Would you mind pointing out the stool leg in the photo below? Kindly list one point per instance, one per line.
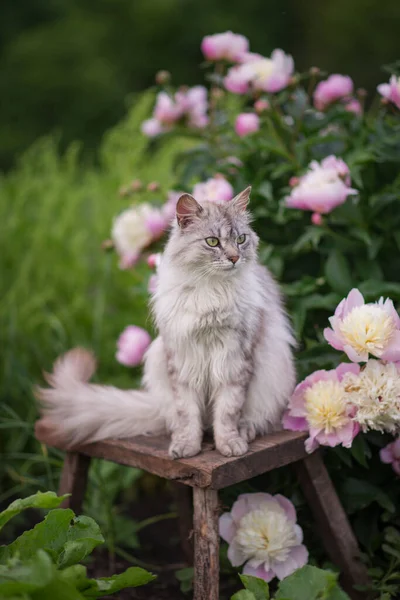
(337, 535)
(184, 503)
(206, 544)
(74, 480)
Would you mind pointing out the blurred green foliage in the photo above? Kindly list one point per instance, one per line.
(58, 288)
(70, 64)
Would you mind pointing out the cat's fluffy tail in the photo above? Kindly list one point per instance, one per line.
(74, 411)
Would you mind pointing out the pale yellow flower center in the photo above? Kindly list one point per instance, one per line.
(262, 69)
(266, 534)
(325, 406)
(368, 328)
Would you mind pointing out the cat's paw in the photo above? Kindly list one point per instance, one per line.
(182, 448)
(234, 446)
(247, 431)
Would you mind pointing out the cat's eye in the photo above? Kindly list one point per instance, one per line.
(241, 238)
(212, 241)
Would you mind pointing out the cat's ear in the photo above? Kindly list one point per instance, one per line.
(241, 201)
(187, 208)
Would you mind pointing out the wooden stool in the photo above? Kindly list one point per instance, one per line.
(209, 472)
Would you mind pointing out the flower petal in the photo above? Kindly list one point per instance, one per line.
(260, 572)
(294, 423)
(235, 554)
(287, 507)
(354, 299)
(227, 527)
(344, 368)
(392, 351)
(297, 558)
(353, 355)
(333, 339)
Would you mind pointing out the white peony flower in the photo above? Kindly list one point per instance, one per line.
(375, 393)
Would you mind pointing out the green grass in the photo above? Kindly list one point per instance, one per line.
(58, 288)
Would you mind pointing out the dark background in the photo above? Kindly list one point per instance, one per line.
(70, 65)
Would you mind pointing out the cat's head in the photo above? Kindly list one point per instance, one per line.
(213, 238)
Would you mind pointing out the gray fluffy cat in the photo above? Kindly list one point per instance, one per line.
(222, 359)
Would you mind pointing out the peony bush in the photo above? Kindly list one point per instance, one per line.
(323, 159)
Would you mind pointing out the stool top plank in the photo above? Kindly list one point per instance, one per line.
(207, 469)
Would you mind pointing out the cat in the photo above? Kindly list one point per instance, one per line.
(223, 357)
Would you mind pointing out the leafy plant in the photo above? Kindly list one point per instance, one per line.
(43, 563)
(307, 583)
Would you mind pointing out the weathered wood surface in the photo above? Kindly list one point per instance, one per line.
(74, 480)
(206, 544)
(208, 469)
(334, 527)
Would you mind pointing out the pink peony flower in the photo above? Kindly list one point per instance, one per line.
(217, 189)
(247, 123)
(391, 90)
(152, 127)
(323, 187)
(262, 534)
(167, 110)
(135, 229)
(194, 105)
(319, 406)
(354, 106)
(259, 73)
(332, 89)
(189, 104)
(224, 46)
(132, 344)
(360, 329)
(156, 223)
(390, 455)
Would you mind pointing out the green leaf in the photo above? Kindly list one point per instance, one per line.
(359, 493)
(19, 576)
(50, 535)
(243, 595)
(38, 500)
(310, 239)
(66, 538)
(257, 586)
(132, 577)
(337, 273)
(360, 450)
(310, 583)
(83, 536)
(58, 589)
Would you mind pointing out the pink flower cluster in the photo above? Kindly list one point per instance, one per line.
(190, 105)
(336, 88)
(334, 405)
(391, 91)
(324, 186)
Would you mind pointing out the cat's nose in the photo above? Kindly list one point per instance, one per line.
(234, 258)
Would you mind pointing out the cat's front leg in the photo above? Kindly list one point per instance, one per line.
(186, 426)
(228, 405)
